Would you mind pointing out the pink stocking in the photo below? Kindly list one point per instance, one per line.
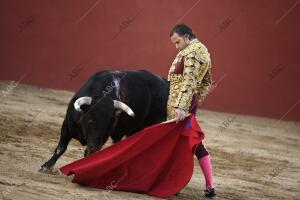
(206, 168)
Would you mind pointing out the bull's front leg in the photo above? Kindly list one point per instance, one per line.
(59, 150)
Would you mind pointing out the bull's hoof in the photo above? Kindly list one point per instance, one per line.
(45, 169)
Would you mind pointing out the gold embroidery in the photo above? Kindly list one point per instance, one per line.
(195, 79)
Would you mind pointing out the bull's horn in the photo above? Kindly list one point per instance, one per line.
(82, 101)
(124, 107)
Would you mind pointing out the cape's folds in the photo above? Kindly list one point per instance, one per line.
(157, 161)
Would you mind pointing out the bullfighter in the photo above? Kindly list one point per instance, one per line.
(190, 81)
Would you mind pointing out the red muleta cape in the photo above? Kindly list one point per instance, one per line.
(157, 161)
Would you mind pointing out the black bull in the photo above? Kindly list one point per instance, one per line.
(112, 104)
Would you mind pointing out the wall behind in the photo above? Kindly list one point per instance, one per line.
(254, 46)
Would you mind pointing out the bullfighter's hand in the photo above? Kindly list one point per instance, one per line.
(180, 114)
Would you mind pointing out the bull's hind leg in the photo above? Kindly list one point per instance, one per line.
(59, 150)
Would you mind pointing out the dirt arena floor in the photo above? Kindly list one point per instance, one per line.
(253, 157)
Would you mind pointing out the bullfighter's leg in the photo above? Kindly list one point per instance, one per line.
(59, 150)
(206, 167)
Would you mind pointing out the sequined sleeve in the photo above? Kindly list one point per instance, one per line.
(205, 87)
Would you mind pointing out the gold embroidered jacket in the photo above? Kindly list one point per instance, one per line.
(189, 75)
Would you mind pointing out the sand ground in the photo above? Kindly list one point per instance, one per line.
(253, 157)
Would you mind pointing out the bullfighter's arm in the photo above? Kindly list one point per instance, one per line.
(205, 87)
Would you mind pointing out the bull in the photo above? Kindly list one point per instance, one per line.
(111, 104)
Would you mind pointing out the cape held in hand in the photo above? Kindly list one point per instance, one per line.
(157, 161)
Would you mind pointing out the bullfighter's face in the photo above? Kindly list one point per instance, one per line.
(180, 41)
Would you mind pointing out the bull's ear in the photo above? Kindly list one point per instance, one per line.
(85, 108)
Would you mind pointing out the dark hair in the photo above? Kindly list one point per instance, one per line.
(182, 29)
